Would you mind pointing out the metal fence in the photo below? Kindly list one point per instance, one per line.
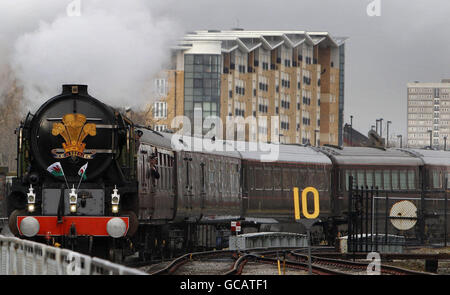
(377, 217)
(22, 257)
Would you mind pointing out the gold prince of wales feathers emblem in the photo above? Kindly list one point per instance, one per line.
(74, 130)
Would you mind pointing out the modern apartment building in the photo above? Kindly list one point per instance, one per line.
(428, 114)
(295, 78)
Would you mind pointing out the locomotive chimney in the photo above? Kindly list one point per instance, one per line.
(74, 89)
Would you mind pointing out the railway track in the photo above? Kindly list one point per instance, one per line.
(351, 266)
(316, 269)
(173, 266)
(228, 262)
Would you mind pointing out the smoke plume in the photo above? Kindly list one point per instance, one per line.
(116, 47)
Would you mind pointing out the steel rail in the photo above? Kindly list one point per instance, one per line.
(316, 269)
(387, 269)
(177, 262)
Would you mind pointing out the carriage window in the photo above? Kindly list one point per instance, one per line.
(360, 178)
(220, 177)
(228, 177)
(295, 178)
(301, 177)
(166, 172)
(349, 173)
(236, 182)
(171, 173)
(250, 178)
(287, 179)
(411, 179)
(163, 179)
(435, 179)
(144, 170)
(320, 180)
(395, 180)
(369, 178)
(268, 178)
(448, 180)
(378, 182)
(403, 179)
(277, 178)
(386, 180)
(259, 181)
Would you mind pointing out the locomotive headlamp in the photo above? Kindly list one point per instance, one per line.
(115, 199)
(31, 199)
(73, 200)
(30, 208)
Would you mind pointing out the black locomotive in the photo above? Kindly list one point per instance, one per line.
(85, 181)
(49, 198)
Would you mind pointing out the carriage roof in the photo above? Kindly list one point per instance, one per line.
(269, 152)
(371, 156)
(431, 157)
(154, 138)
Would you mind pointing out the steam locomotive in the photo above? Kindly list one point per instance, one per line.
(84, 181)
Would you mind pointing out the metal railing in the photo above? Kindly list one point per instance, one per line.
(23, 257)
(377, 217)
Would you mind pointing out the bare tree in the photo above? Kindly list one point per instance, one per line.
(11, 112)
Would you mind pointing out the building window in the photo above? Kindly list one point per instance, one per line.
(161, 87)
(202, 84)
(160, 110)
(160, 128)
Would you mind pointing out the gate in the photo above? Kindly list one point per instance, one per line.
(385, 221)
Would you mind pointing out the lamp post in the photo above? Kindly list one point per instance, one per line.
(351, 130)
(387, 135)
(431, 138)
(400, 136)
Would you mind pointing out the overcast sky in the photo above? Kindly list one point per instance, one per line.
(407, 42)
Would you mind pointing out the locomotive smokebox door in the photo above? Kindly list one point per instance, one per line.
(90, 202)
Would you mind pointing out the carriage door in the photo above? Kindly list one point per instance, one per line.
(188, 183)
(247, 185)
(146, 191)
(202, 183)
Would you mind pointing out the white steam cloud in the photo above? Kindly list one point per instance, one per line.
(116, 47)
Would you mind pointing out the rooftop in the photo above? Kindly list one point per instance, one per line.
(248, 41)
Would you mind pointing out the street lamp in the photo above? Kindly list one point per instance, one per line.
(387, 136)
(431, 138)
(400, 136)
(351, 130)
